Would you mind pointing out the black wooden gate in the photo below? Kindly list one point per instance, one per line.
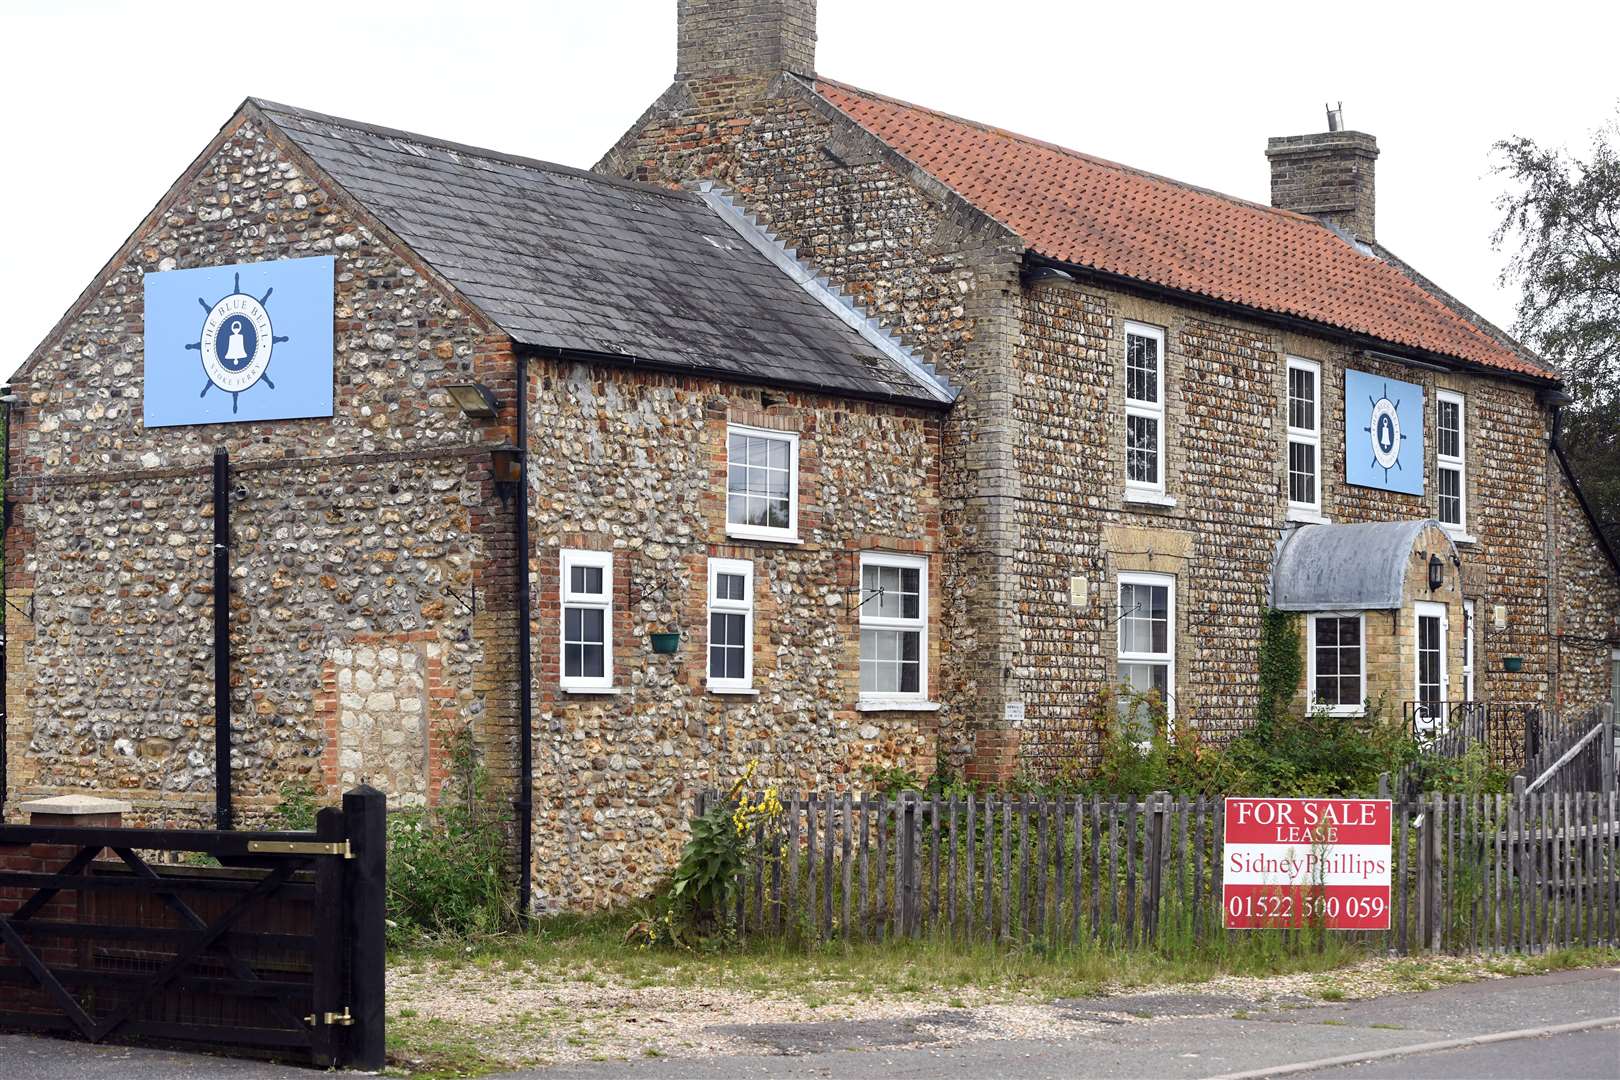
(278, 950)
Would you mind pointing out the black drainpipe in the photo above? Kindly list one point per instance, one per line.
(5, 524)
(525, 794)
(222, 639)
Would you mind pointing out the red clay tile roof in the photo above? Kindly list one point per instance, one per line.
(1089, 212)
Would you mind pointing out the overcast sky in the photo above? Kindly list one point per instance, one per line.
(105, 103)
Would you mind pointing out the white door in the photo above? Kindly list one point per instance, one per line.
(1469, 629)
(1431, 676)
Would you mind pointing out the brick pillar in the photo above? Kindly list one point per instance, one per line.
(84, 811)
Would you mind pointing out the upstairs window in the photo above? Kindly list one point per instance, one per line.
(762, 484)
(1147, 633)
(1304, 435)
(894, 627)
(1450, 450)
(1337, 677)
(1144, 409)
(731, 625)
(587, 620)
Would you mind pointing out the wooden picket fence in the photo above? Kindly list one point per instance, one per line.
(1519, 872)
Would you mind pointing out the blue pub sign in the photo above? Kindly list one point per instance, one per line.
(1383, 433)
(241, 342)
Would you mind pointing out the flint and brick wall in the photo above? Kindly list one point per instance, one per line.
(635, 464)
(935, 273)
(1225, 448)
(373, 529)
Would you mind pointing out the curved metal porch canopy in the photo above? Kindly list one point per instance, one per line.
(1347, 567)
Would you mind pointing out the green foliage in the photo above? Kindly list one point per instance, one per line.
(447, 867)
(1282, 665)
(296, 810)
(1316, 754)
(725, 838)
(706, 878)
(1562, 220)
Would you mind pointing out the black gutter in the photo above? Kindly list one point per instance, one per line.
(627, 360)
(1297, 324)
(222, 639)
(524, 802)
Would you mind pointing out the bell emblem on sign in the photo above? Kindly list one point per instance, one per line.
(234, 349)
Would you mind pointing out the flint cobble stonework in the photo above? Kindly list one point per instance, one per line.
(934, 272)
(636, 466)
(343, 529)
(372, 612)
(1034, 453)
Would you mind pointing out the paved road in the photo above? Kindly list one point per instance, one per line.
(1182, 1035)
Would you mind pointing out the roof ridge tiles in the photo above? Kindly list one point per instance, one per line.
(1068, 151)
(539, 164)
(1083, 211)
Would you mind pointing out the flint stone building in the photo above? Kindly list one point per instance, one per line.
(814, 428)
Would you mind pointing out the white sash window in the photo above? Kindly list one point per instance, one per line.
(1304, 436)
(587, 620)
(1450, 461)
(731, 625)
(1144, 410)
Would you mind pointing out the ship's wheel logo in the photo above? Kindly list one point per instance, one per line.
(1384, 432)
(236, 342)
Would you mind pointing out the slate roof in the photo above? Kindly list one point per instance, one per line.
(566, 260)
(1084, 211)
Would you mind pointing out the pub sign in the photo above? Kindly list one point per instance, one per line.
(1383, 433)
(240, 342)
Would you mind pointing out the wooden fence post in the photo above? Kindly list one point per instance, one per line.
(907, 870)
(1606, 751)
(1156, 854)
(364, 817)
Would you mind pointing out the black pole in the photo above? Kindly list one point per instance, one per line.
(5, 524)
(525, 795)
(222, 639)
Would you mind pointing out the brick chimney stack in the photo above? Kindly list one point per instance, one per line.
(744, 38)
(1329, 176)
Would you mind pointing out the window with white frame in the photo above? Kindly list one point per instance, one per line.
(1304, 435)
(1450, 454)
(1144, 409)
(731, 625)
(1147, 634)
(587, 620)
(1338, 672)
(1614, 679)
(762, 483)
(894, 627)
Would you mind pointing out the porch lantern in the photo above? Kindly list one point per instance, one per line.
(1437, 573)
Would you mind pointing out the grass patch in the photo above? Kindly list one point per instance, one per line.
(592, 950)
(432, 1049)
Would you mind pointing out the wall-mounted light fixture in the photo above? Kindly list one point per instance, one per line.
(475, 399)
(1437, 573)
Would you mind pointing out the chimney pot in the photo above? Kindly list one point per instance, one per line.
(1329, 175)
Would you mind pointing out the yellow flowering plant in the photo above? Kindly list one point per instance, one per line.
(733, 832)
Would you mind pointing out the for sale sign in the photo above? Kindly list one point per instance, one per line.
(1307, 862)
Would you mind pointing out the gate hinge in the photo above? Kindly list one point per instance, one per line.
(332, 1019)
(300, 847)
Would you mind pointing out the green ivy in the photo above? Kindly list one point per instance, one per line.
(1282, 666)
